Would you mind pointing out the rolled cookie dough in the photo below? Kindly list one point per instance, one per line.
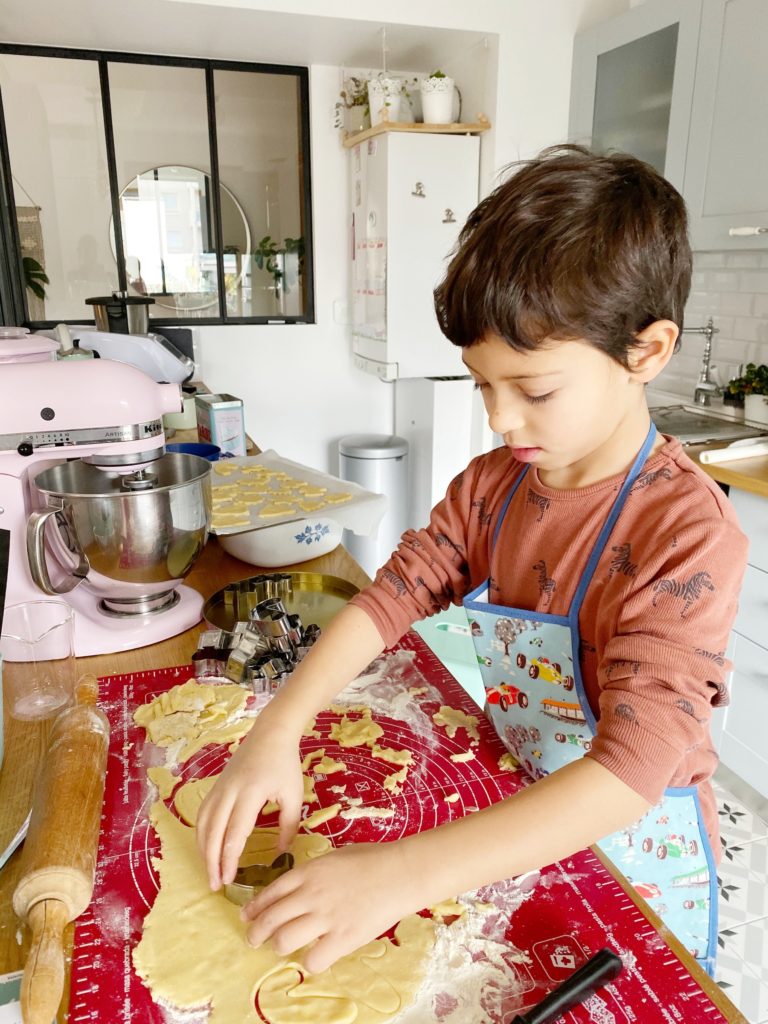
(193, 954)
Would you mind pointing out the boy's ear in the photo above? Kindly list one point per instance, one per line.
(653, 348)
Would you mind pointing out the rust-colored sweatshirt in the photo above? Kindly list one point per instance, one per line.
(655, 620)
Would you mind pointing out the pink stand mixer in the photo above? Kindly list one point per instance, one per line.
(99, 514)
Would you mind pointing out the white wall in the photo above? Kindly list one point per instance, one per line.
(732, 288)
(299, 389)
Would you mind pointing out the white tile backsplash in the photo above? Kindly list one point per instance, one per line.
(732, 288)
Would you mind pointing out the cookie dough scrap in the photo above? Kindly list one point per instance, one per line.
(189, 924)
(350, 732)
(448, 908)
(327, 766)
(462, 758)
(507, 763)
(313, 755)
(393, 755)
(320, 817)
(193, 715)
(453, 719)
(164, 779)
(393, 783)
(352, 813)
(190, 796)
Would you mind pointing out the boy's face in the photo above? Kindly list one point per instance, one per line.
(565, 407)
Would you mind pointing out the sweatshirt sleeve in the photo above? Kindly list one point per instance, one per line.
(431, 567)
(664, 667)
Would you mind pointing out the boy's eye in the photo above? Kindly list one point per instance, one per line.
(477, 386)
(533, 399)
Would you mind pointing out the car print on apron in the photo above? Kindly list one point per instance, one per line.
(536, 701)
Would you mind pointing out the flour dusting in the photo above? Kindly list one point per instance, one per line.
(385, 688)
(472, 975)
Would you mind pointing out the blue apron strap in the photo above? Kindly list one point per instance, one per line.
(505, 506)
(608, 525)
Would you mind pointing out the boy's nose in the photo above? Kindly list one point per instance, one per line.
(505, 416)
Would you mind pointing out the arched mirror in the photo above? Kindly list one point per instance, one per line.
(169, 240)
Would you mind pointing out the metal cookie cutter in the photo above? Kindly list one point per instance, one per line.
(249, 880)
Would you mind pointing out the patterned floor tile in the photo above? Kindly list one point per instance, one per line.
(748, 943)
(738, 824)
(751, 856)
(741, 985)
(743, 892)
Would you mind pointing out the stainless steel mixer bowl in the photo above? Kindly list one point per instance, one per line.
(142, 527)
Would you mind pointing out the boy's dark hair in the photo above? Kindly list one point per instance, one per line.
(573, 245)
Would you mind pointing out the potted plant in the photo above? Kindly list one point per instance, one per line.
(752, 387)
(34, 276)
(384, 98)
(352, 110)
(437, 102)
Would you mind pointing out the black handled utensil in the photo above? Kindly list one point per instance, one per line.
(601, 968)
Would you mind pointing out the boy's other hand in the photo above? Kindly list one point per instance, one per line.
(333, 904)
(264, 767)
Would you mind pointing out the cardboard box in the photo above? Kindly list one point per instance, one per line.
(220, 421)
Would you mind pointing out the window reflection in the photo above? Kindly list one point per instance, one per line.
(169, 240)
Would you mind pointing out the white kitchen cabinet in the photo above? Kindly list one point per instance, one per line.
(726, 177)
(739, 731)
(632, 84)
(410, 195)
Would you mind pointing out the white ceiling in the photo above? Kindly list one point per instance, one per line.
(198, 30)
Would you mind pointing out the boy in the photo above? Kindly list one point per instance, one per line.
(586, 531)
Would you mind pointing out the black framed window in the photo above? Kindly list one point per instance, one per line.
(184, 180)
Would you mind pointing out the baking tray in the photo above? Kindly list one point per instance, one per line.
(361, 513)
(315, 596)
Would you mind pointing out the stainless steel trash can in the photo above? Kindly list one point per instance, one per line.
(378, 462)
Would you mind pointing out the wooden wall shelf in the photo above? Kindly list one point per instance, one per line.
(481, 125)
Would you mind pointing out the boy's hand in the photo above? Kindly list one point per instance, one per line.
(337, 902)
(264, 767)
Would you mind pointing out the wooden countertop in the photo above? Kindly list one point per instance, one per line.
(26, 743)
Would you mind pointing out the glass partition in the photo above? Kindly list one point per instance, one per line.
(61, 197)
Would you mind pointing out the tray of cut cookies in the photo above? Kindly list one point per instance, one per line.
(252, 492)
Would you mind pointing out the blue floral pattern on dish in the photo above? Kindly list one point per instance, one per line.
(310, 533)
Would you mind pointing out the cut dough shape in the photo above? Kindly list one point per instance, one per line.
(392, 755)
(350, 732)
(164, 779)
(320, 817)
(467, 755)
(190, 796)
(188, 924)
(507, 763)
(453, 718)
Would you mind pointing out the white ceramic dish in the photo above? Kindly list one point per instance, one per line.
(284, 543)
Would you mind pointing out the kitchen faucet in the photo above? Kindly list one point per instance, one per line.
(706, 388)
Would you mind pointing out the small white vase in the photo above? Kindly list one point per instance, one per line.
(384, 96)
(437, 100)
(756, 408)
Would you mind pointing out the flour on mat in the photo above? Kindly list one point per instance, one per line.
(471, 974)
(390, 689)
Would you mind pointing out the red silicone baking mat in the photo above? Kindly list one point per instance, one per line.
(565, 913)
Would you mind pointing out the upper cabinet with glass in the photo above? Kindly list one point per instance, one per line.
(681, 84)
(726, 178)
(632, 84)
(183, 180)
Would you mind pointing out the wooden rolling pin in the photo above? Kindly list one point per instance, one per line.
(59, 859)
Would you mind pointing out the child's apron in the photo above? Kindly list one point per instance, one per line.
(535, 699)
